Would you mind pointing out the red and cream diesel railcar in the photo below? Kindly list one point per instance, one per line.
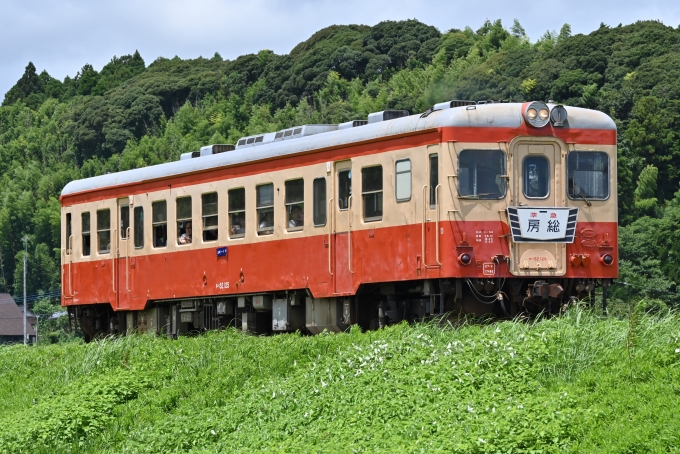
(467, 208)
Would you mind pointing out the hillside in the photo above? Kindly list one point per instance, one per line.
(578, 383)
(131, 115)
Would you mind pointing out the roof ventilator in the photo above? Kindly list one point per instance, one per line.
(352, 124)
(452, 104)
(284, 134)
(385, 115)
(207, 151)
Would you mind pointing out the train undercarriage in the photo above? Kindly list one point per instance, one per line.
(373, 307)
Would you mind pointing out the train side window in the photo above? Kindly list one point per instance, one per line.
(319, 202)
(210, 227)
(104, 231)
(434, 179)
(481, 174)
(402, 178)
(344, 188)
(372, 193)
(536, 175)
(85, 222)
(124, 221)
(159, 223)
(139, 227)
(184, 224)
(265, 209)
(69, 232)
(588, 175)
(237, 213)
(295, 204)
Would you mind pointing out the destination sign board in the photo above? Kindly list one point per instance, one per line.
(542, 224)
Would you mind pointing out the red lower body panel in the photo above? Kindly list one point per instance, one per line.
(364, 256)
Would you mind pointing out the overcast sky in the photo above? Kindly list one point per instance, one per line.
(61, 36)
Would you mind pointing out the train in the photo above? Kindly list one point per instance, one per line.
(484, 208)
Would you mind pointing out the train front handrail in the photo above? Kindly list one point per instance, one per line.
(127, 259)
(349, 234)
(113, 262)
(330, 233)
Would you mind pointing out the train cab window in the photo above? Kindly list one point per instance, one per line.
(402, 180)
(159, 223)
(184, 223)
(481, 174)
(124, 222)
(265, 209)
(434, 179)
(295, 204)
(536, 175)
(344, 188)
(104, 231)
(139, 227)
(209, 206)
(319, 201)
(85, 228)
(372, 192)
(69, 233)
(588, 175)
(237, 213)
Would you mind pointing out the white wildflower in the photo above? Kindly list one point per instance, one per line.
(212, 432)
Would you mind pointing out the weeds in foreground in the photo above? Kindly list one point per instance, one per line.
(576, 383)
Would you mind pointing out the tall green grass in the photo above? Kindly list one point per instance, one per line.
(577, 383)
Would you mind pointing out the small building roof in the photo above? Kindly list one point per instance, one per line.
(12, 318)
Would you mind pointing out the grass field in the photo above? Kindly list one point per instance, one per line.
(578, 383)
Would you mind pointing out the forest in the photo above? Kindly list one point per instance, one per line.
(131, 115)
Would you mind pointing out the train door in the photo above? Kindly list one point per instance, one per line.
(538, 187)
(67, 255)
(122, 254)
(431, 211)
(342, 228)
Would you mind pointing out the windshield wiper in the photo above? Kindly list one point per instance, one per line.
(583, 196)
(477, 196)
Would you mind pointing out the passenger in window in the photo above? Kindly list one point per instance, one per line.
(185, 238)
(267, 223)
(297, 217)
(238, 225)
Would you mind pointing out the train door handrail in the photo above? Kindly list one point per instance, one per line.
(349, 234)
(127, 259)
(114, 253)
(422, 233)
(70, 260)
(331, 213)
(438, 203)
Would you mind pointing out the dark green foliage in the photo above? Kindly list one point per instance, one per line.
(129, 115)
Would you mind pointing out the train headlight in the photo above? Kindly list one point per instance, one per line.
(607, 259)
(465, 258)
(537, 114)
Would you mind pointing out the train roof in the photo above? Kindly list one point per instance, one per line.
(499, 115)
